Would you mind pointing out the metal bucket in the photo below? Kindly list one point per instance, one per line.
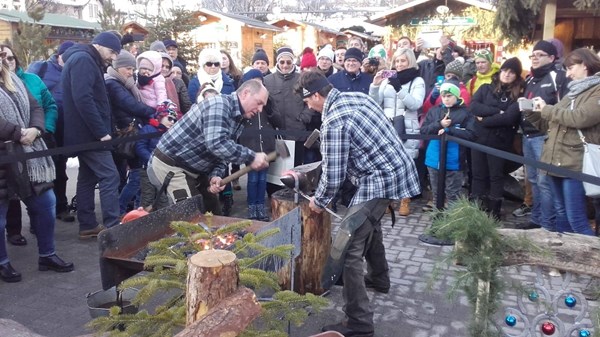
(100, 302)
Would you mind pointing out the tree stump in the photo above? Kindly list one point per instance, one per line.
(316, 244)
(212, 276)
(228, 318)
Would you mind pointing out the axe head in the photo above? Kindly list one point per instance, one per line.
(312, 139)
(307, 176)
(281, 149)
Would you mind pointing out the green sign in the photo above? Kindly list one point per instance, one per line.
(451, 21)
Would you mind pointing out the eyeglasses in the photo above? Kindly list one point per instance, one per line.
(537, 56)
(212, 64)
(284, 62)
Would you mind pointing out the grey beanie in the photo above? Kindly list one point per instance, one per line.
(158, 46)
(124, 59)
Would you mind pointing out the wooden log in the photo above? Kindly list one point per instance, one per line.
(212, 276)
(228, 318)
(575, 253)
(316, 243)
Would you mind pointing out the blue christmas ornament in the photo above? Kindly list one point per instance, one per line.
(584, 333)
(533, 296)
(570, 301)
(511, 320)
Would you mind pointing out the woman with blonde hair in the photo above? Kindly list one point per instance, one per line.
(21, 127)
(402, 94)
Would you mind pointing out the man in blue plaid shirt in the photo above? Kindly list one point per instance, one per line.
(357, 142)
(198, 148)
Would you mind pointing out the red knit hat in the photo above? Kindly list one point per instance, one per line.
(309, 60)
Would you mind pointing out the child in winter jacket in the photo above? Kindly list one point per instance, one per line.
(164, 118)
(453, 118)
(150, 80)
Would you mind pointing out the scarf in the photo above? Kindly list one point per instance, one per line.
(543, 70)
(16, 110)
(129, 83)
(216, 80)
(576, 87)
(403, 77)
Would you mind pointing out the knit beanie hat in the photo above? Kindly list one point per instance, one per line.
(251, 74)
(450, 87)
(327, 52)
(308, 59)
(354, 53)
(485, 54)
(108, 40)
(378, 50)
(260, 55)
(170, 43)
(124, 59)
(166, 108)
(64, 46)
(285, 51)
(546, 47)
(145, 63)
(513, 64)
(455, 67)
(158, 46)
(209, 55)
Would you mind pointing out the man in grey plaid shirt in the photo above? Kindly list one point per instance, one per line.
(198, 148)
(358, 142)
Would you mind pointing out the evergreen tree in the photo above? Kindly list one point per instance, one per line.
(110, 18)
(29, 41)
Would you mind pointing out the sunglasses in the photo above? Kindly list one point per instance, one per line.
(284, 62)
(212, 64)
(172, 119)
(3, 56)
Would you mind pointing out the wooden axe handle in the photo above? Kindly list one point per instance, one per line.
(270, 157)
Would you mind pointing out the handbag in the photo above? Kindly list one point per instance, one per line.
(126, 149)
(591, 166)
(398, 120)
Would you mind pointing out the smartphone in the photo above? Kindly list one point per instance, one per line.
(525, 104)
(440, 79)
(389, 73)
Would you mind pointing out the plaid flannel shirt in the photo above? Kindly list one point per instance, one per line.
(204, 140)
(358, 141)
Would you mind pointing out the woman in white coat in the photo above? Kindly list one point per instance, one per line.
(402, 94)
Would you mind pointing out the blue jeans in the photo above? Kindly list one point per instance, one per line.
(132, 189)
(42, 216)
(97, 167)
(571, 216)
(257, 187)
(543, 210)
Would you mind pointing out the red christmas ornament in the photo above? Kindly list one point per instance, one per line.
(548, 328)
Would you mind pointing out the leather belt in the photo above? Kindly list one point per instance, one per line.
(171, 162)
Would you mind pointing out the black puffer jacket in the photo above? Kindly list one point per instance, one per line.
(541, 84)
(500, 117)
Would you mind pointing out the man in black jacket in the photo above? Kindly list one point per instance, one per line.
(88, 119)
(550, 84)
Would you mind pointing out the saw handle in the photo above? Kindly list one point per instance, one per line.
(270, 157)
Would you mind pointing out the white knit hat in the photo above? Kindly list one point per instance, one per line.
(209, 55)
(326, 51)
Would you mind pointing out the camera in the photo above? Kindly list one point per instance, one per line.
(389, 73)
(373, 61)
(525, 104)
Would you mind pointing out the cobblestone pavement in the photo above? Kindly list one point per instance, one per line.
(53, 304)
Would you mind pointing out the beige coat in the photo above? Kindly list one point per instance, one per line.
(563, 147)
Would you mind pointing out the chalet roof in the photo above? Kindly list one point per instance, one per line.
(363, 35)
(243, 19)
(295, 23)
(381, 18)
(50, 19)
(323, 28)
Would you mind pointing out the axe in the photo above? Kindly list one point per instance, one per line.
(281, 150)
(314, 137)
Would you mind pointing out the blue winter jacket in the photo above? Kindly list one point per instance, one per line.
(85, 99)
(144, 147)
(346, 82)
(50, 73)
(195, 85)
(125, 107)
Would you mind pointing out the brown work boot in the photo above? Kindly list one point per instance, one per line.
(404, 208)
(91, 233)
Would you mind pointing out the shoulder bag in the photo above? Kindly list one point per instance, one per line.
(591, 166)
(126, 149)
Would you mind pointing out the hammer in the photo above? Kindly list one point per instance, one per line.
(281, 150)
(301, 178)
